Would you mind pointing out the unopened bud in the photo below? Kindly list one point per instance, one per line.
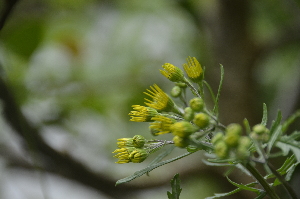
(188, 114)
(197, 104)
(176, 91)
(180, 142)
(201, 120)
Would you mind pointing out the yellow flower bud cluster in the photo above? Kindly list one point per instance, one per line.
(131, 150)
(232, 143)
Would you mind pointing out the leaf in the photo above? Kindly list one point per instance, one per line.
(290, 171)
(261, 195)
(244, 187)
(276, 123)
(247, 126)
(176, 190)
(273, 138)
(216, 106)
(288, 143)
(162, 155)
(265, 115)
(150, 168)
(219, 195)
(216, 164)
(290, 120)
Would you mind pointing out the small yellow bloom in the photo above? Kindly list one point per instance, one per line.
(123, 154)
(130, 154)
(161, 125)
(172, 72)
(161, 101)
(142, 113)
(193, 69)
(137, 141)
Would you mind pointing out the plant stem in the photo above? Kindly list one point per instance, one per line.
(261, 180)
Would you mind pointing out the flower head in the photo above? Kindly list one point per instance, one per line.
(123, 154)
(172, 72)
(161, 101)
(183, 129)
(137, 141)
(142, 113)
(193, 69)
(161, 125)
(130, 154)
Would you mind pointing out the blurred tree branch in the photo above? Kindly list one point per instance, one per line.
(51, 160)
(9, 5)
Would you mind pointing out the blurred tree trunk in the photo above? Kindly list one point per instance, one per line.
(234, 49)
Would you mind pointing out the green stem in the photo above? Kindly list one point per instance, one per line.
(261, 180)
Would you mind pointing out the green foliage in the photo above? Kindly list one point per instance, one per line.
(176, 190)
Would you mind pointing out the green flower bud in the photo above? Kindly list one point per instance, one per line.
(197, 104)
(180, 142)
(218, 137)
(139, 141)
(192, 148)
(201, 120)
(138, 155)
(221, 149)
(232, 139)
(176, 91)
(243, 147)
(260, 129)
(260, 132)
(245, 142)
(181, 84)
(182, 129)
(234, 128)
(188, 114)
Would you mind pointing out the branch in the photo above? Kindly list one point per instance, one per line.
(6, 11)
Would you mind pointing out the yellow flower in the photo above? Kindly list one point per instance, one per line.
(130, 154)
(142, 113)
(123, 154)
(172, 72)
(161, 125)
(161, 101)
(137, 141)
(193, 69)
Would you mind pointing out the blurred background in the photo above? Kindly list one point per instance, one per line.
(71, 69)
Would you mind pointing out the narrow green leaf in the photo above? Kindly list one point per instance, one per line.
(276, 123)
(150, 168)
(244, 187)
(216, 106)
(247, 126)
(286, 146)
(290, 120)
(290, 171)
(216, 164)
(273, 138)
(176, 190)
(265, 115)
(219, 195)
(162, 155)
(261, 195)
